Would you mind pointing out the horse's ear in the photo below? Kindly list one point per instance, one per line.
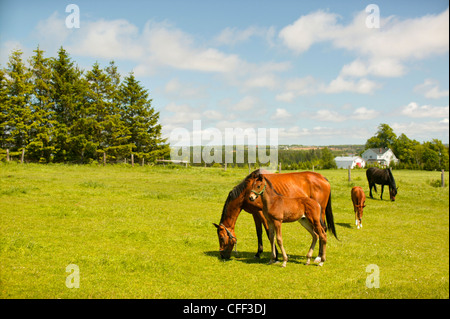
(217, 226)
(260, 178)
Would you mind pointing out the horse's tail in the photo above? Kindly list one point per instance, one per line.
(330, 218)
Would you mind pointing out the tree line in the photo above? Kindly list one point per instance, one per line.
(57, 112)
(430, 155)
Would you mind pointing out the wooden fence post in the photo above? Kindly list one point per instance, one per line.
(142, 162)
(132, 159)
(104, 158)
(225, 167)
(442, 179)
(23, 155)
(7, 154)
(349, 173)
(279, 167)
(249, 167)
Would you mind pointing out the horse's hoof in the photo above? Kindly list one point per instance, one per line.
(283, 265)
(317, 260)
(320, 264)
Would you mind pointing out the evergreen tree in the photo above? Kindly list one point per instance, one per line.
(57, 114)
(68, 97)
(19, 118)
(40, 147)
(4, 110)
(117, 135)
(142, 120)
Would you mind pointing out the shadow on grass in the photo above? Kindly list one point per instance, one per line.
(249, 258)
(345, 225)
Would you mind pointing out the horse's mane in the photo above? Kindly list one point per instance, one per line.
(391, 177)
(236, 191)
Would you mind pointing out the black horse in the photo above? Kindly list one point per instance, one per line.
(382, 177)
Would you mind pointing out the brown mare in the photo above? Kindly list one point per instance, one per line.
(359, 202)
(279, 209)
(296, 184)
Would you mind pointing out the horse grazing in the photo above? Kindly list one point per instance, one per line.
(359, 202)
(296, 184)
(381, 177)
(279, 209)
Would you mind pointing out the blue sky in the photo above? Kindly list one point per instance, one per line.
(314, 70)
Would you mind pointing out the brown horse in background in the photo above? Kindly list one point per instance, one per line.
(359, 202)
(279, 209)
(296, 184)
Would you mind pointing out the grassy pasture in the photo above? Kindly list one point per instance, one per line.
(146, 232)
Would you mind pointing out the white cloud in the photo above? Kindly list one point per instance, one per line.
(293, 132)
(430, 89)
(182, 114)
(328, 116)
(285, 97)
(264, 81)
(281, 114)
(245, 104)
(307, 30)
(177, 90)
(108, 39)
(378, 67)
(213, 115)
(169, 46)
(309, 85)
(233, 36)
(423, 130)
(385, 49)
(363, 113)
(340, 84)
(52, 31)
(416, 111)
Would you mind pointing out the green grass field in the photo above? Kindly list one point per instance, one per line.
(146, 232)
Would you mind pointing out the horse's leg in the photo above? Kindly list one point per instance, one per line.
(370, 190)
(272, 242)
(382, 189)
(356, 217)
(258, 226)
(323, 240)
(280, 241)
(322, 208)
(305, 223)
(320, 232)
(265, 223)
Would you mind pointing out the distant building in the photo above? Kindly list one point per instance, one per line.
(352, 161)
(382, 156)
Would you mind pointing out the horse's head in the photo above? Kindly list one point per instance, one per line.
(392, 187)
(392, 192)
(227, 240)
(258, 188)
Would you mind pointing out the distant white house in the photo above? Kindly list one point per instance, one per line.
(352, 161)
(382, 156)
